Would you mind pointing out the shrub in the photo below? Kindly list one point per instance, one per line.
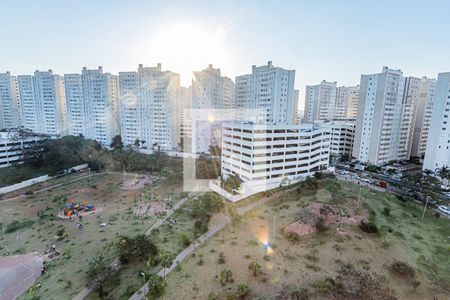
(213, 296)
(221, 259)
(185, 240)
(242, 290)
(226, 276)
(320, 224)
(254, 268)
(60, 232)
(368, 227)
(293, 237)
(403, 269)
(16, 225)
(387, 211)
(437, 215)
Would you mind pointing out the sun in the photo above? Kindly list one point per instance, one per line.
(187, 46)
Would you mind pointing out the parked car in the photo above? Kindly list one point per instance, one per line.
(444, 209)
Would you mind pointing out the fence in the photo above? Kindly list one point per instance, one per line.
(26, 183)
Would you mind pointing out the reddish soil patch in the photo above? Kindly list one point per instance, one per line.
(135, 183)
(300, 228)
(332, 214)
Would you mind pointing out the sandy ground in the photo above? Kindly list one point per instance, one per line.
(17, 274)
(136, 182)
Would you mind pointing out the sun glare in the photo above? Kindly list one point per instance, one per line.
(187, 46)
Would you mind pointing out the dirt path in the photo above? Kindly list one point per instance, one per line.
(244, 209)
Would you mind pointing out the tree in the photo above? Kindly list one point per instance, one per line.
(232, 183)
(144, 248)
(254, 268)
(100, 275)
(156, 285)
(243, 290)
(137, 143)
(125, 247)
(116, 142)
(166, 259)
(442, 172)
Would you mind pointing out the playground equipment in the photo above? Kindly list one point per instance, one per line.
(78, 206)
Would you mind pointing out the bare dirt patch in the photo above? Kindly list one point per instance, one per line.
(149, 209)
(350, 214)
(136, 182)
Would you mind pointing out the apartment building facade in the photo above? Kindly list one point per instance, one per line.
(326, 101)
(9, 101)
(266, 95)
(437, 152)
(423, 116)
(386, 116)
(264, 156)
(149, 107)
(43, 103)
(342, 137)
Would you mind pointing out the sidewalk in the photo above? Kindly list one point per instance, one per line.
(142, 292)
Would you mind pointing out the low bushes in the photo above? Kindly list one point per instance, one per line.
(368, 227)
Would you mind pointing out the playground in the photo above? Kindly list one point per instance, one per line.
(42, 222)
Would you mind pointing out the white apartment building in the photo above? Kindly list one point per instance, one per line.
(101, 108)
(213, 101)
(9, 101)
(326, 102)
(76, 114)
(342, 137)
(210, 90)
(437, 152)
(347, 102)
(296, 115)
(320, 101)
(265, 156)
(28, 105)
(268, 94)
(423, 116)
(43, 103)
(149, 107)
(386, 115)
(184, 116)
(13, 144)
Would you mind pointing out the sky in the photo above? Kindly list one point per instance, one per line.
(321, 40)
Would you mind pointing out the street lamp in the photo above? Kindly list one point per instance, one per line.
(143, 274)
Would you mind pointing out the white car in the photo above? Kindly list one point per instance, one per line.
(444, 209)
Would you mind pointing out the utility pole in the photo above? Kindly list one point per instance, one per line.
(359, 198)
(4, 238)
(425, 208)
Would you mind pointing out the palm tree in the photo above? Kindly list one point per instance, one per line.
(166, 258)
(442, 172)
